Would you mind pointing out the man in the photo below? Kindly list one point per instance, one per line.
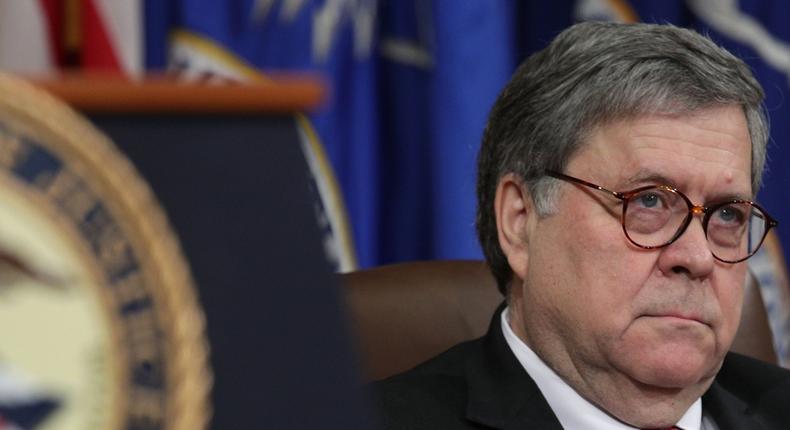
(615, 183)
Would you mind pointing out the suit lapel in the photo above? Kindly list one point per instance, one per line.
(501, 394)
(729, 412)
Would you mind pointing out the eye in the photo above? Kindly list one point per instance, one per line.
(730, 215)
(649, 200)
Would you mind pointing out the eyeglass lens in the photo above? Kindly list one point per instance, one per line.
(655, 217)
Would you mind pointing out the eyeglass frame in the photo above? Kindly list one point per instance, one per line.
(706, 211)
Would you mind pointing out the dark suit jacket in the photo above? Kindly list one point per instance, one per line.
(480, 384)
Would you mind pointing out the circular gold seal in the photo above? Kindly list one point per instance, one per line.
(100, 326)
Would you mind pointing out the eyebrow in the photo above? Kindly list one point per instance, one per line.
(645, 177)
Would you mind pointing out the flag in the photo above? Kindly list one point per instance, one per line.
(25, 20)
(242, 39)
(84, 35)
(442, 65)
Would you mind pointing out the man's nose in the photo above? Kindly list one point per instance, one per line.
(690, 254)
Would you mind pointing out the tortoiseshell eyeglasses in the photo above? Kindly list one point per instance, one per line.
(654, 216)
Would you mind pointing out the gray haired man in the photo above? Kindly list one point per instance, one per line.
(615, 188)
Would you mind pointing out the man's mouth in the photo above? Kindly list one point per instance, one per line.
(680, 316)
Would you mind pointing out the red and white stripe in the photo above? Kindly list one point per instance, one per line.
(31, 36)
(113, 36)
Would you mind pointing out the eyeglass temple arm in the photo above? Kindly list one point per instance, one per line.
(771, 221)
(765, 216)
(565, 177)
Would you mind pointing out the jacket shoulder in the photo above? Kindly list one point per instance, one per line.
(762, 387)
(430, 396)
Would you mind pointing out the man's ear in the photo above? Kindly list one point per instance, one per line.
(515, 214)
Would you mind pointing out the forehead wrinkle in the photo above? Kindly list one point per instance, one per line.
(676, 129)
(730, 141)
(704, 154)
(648, 172)
(700, 120)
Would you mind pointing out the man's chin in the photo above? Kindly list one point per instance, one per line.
(675, 372)
(669, 354)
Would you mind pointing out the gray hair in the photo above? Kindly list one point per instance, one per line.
(592, 74)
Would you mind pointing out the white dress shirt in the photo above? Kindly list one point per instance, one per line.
(573, 411)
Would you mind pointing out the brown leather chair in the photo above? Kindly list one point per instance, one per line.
(404, 314)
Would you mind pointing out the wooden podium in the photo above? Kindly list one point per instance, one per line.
(226, 164)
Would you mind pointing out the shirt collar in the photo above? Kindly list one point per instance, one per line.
(572, 410)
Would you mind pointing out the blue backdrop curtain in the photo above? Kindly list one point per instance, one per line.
(411, 83)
